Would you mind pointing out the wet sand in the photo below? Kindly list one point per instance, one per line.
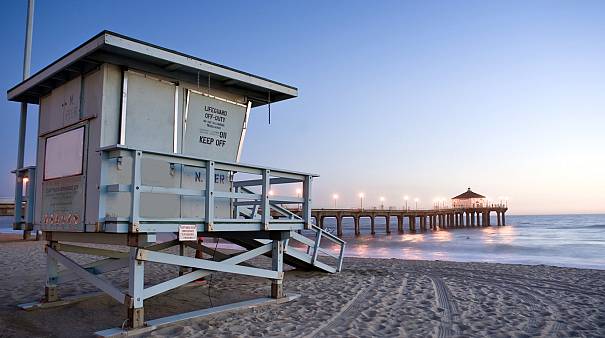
(371, 297)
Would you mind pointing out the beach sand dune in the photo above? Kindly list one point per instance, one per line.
(371, 297)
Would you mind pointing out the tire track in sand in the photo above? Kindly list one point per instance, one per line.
(445, 302)
(535, 305)
(350, 306)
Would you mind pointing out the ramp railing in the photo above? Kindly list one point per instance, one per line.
(308, 249)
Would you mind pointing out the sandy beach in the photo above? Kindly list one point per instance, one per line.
(371, 297)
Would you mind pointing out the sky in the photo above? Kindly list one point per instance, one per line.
(416, 98)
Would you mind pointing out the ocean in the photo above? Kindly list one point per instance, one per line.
(558, 240)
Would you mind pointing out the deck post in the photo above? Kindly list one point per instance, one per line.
(357, 227)
(136, 278)
(372, 225)
(265, 198)
(411, 224)
(307, 210)
(479, 223)
(489, 220)
(503, 218)
(339, 225)
(277, 264)
(498, 217)
(400, 223)
(52, 276)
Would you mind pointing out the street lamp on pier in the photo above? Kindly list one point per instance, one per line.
(335, 198)
(381, 202)
(406, 198)
(416, 200)
(361, 200)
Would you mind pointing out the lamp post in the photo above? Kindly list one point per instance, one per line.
(406, 198)
(361, 200)
(381, 202)
(416, 200)
(23, 116)
(335, 198)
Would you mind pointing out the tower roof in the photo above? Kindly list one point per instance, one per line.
(110, 47)
(468, 195)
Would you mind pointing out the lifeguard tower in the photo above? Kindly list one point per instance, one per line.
(136, 140)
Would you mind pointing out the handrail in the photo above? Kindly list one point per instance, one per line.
(329, 235)
(275, 171)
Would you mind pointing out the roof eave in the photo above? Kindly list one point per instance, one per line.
(122, 45)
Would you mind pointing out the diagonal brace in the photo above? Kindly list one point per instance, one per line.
(190, 277)
(95, 268)
(97, 281)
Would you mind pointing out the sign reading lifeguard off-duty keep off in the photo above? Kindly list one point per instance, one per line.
(213, 127)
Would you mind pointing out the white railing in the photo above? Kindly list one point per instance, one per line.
(260, 203)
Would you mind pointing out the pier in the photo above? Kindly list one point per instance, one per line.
(417, 220)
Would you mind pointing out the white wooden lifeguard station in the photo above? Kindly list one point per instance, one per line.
(136, 140)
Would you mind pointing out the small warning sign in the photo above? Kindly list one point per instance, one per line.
(187, 232)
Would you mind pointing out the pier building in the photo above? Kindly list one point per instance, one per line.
(469, 199)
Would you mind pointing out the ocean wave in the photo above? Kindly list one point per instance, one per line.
(594, 226)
